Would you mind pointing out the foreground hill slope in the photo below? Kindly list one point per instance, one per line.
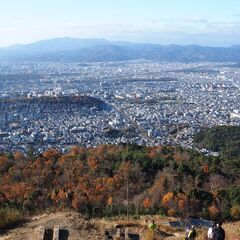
(80, 229)
(77, 227)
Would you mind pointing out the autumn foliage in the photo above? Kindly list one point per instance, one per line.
(147, 203)
(95, 181)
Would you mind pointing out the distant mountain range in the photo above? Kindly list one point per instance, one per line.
(102, 50)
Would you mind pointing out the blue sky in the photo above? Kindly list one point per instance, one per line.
(205, 22)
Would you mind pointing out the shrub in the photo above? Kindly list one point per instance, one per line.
(9, 217)
(235, 212)
(171, 212)
(213, 211)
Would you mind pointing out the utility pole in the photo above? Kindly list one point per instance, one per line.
(127, 199)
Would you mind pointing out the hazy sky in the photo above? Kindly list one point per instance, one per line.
(205, 22)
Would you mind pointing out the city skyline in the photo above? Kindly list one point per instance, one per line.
(214, 23)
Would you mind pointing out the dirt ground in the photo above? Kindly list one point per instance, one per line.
(80, 229)
(77, 227)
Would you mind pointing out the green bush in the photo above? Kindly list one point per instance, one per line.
(9, 217)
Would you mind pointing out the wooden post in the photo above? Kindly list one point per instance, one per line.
(56, 231)
(41, 232)
(126, 233)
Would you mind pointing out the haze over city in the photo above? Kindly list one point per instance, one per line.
(212, 23)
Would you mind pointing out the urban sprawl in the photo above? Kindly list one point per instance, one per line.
(141, 102)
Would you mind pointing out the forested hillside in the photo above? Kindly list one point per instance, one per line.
(223, 139)
(94, 181)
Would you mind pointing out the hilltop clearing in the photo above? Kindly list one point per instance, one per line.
(80, 229)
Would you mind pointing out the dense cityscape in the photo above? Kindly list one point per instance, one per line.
(145, 102)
